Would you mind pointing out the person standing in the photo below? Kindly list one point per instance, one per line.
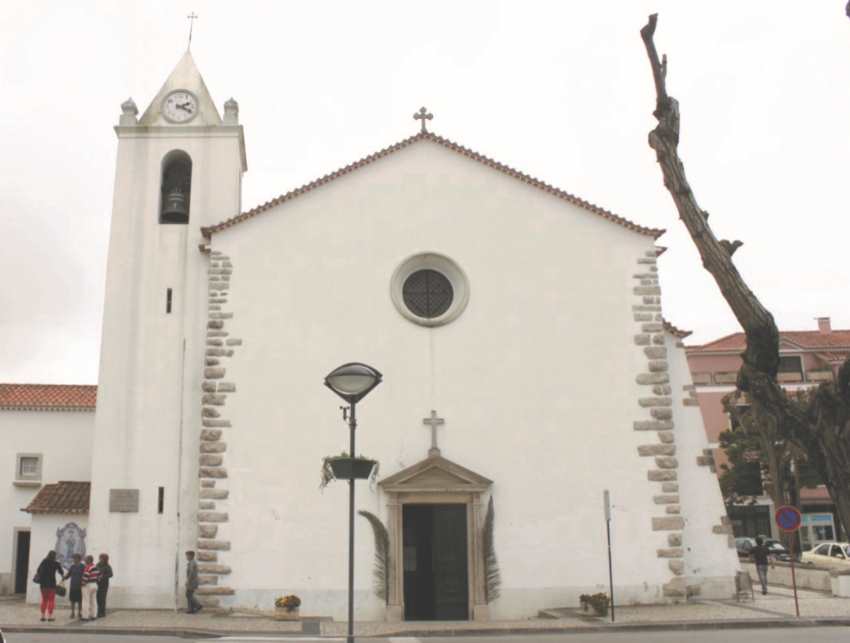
(760, 554)
(104, 574)
(45, 576)
(90, 576)
(193, 605)
(75, 594)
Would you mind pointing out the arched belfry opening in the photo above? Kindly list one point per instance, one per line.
(176, 188)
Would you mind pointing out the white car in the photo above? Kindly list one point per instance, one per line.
(834, 555)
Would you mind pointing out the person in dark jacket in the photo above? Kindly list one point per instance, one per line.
(760, 555)
(105, 570)
(45, 576)
(192, 581)
(75, 594)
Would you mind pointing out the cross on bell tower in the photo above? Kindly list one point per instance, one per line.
(433, 422)
(191, 18)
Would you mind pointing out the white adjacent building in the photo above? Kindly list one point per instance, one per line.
(526, 319)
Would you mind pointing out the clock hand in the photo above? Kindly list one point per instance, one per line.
(185, 107)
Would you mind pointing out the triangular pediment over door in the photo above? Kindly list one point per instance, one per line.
(435, 474)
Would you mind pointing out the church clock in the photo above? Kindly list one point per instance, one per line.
(180, 106)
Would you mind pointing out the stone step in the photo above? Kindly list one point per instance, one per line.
(208, 580)
(207, 590)
(211, 568)
(209, 601)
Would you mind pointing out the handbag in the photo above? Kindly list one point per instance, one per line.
(60, 589)
(36, 579)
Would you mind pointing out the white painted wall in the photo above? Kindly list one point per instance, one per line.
(709, 561)
(536, 380)
(64, 440)
(43, 536)
(148, 410)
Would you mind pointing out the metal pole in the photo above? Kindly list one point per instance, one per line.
(352, 423)
(793, 574)
(607, 497)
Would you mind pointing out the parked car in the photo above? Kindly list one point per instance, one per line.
(776, 549)
(832, 555)
(744, 545)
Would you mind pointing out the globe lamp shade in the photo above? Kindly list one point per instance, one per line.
(353, 381)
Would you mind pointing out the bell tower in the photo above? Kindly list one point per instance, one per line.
(179, 167)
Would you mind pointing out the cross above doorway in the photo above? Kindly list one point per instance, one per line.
(433, 422)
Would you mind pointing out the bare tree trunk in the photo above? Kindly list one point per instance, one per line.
(825, 437)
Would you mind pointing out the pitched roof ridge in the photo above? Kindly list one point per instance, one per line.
(43, 384)
(675, 330)
(207, 231)
(718, 340)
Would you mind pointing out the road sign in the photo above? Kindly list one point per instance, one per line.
(788, 518)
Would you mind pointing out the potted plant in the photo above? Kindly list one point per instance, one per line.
(286, 608)
(600, 603)
(344, 467)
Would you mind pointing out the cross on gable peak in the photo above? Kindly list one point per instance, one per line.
(423, 115)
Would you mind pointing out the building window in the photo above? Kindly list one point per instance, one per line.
(790, 368)
(429, 289)
(791, 364)
(28, 468)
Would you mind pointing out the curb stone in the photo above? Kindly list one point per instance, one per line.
(728, 624)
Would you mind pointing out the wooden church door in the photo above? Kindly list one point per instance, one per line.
(436, 575)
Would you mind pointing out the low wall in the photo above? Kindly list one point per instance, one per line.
(780, 574)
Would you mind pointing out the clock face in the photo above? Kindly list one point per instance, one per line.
(180, 106)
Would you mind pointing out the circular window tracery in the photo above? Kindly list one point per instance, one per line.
(429, 289)
(428, 293)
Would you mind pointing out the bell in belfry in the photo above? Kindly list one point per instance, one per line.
(175, 205)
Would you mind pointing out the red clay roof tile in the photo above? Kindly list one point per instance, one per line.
(61, 498)
(47, 397)
(805, 339)
(428, 136)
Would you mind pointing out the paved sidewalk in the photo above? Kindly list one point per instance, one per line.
(776, 610)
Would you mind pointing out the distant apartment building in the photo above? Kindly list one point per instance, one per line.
(807, 358)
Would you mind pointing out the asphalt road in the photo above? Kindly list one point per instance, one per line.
(771, 635)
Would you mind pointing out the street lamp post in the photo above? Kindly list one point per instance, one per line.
(352, 382)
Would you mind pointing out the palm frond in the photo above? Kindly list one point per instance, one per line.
(381, 571)
(492, 577)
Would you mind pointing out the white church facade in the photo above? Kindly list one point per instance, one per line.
(526, 367)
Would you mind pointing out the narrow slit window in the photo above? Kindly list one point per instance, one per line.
(160, 502)
(168, 301)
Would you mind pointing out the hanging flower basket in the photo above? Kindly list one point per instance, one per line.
(343, 467)
(346, 468)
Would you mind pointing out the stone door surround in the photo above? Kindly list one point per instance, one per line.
(436, 480)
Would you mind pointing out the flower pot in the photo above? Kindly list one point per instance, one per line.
(283, 614)
(347, 468)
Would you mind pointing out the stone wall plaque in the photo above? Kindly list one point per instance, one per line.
(124, 500)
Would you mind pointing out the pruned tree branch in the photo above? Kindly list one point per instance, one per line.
(762, 352)
(821, 426)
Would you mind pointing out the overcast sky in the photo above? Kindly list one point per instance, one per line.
(559, 89)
